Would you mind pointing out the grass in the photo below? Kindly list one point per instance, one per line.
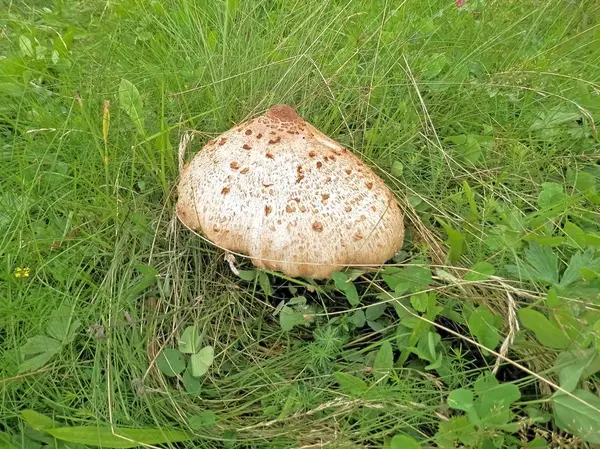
(482, 118)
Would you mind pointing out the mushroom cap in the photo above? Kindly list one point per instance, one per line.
(293, 200)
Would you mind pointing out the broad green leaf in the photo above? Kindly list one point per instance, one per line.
(63, 325)
(265, 283)
(288, 318)
(461, 399)
(104, 437)
(495, 403)
(170, 362)
(36, 362)
(6, 442)
(435, 65)
(202, 360)
(375, 311)
(571, 375)
(147, 278)
(350, 384)
(581, 180)
(397, 169)
(204, 420)
(190, 383)
(412, 278)
(404, 442)
(471, 200)
(484, 383)
(11, 89)
(358, 318)
(579, 236)
(384, 360)
(483, 324)
(39, 344)
(457, 428)
(190, 340)
(37, 421)
(552, 299)
(420, 301)
(480, 272)
(578, 261)
(578, 418)
(542, 265)
(469, 151)
(345, 285)
(551, 195)
(547, 333)
(247, 275)
(27, 47)
(131, 102)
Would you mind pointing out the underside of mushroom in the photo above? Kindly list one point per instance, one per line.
(290, 198)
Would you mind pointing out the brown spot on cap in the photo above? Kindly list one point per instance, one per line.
(289, 209)
(312, 154)
(369, 185)
(222, 141)
(348, 208)
(373, 208)
(328, 179)
(276, 140)
(319, 164)
(234, 165)
(269, 155)
(225, 190)
(247, 147)
(300, 172)
(358, 235)
(331, 157)
(259, 135)
(317, 226)
(244, 171)
(348, 171)
(268, 210)
(248, 132)
(324, 197)
(302, 208)
(266, 184)
(283, 112)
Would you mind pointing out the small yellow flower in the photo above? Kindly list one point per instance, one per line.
(22, 272)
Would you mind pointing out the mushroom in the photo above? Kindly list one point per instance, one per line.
(279, 191)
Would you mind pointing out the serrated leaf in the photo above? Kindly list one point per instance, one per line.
(62, 324)
(288, 318)
(546, 332)
(123, 438)
(170, 362)
(39, 344)
(578, 418)
(404, 442)
(37, 421)
(205, 420)
(483, 325)
(350, 384)
(578, 261)
(480, 272)
(384, 360)
(190, 340)
(131, 102)
(202, 361)
(551, 195)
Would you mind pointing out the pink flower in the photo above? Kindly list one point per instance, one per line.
(460, 3)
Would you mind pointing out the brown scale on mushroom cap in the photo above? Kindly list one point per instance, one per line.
(323, 234)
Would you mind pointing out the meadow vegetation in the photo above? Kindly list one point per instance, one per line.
(120, 328)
